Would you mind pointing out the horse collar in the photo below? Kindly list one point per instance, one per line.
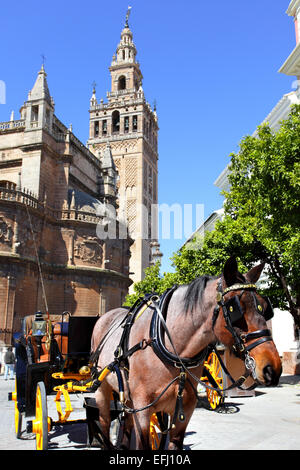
(158, 329)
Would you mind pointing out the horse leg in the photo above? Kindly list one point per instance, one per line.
(128, 426)
(103, 397)
(142, 429)
(177, 437)
(177, 434)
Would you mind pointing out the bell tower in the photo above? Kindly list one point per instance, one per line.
(125, 61)
(129, 124)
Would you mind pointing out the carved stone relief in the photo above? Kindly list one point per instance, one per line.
(6, 232)
(88, 250)
(26, 238)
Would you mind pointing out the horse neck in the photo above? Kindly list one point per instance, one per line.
(191, 330)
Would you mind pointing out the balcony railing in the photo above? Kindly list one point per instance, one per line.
(28, 199)
(12, 124)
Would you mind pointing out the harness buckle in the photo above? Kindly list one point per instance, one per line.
(118, 352)
(238, 348)
(145, 343)
(250, 363)
(243, 338)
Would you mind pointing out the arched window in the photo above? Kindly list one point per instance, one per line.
(134, 123)
(126, 124)
(35, 113)
(115, 121)
(122, 83)
(96, 128)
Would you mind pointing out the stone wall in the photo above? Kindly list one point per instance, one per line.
(80, 273)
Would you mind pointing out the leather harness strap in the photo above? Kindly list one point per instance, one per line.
(158, 327)
(264, 335)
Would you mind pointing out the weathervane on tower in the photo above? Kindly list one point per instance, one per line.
(43, 59)
(127, 17)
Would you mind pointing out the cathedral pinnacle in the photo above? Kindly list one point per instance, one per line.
(40, 89)
(93, 100)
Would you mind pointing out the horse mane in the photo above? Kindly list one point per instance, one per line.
(195, 291)
(196, 288)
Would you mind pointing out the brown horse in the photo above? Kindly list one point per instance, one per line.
(227, 309)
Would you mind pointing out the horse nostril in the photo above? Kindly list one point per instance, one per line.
(270, 376)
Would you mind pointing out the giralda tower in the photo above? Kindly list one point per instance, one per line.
(126, 126)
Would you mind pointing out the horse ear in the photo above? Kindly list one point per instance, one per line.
(230, 271)
(254, 274)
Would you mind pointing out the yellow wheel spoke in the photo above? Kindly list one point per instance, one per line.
(41, 425)
(156, 436)
(213, 366)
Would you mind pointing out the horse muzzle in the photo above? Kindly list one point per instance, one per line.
(265, 364)
(268, 371)
(271, 376)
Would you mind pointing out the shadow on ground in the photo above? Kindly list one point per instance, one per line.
(289, 380)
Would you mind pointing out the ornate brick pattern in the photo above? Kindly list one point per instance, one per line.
(131, 215)
(131, 172)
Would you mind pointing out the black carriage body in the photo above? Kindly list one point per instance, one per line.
(27, 376)
(37, 372)
(28, 373)
(79, 336)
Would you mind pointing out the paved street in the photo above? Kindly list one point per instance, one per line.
(270, 420)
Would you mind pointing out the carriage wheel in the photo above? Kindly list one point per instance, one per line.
(18, 421)
(158, 426)
(42, 424)
(18, 415)
(214, 367)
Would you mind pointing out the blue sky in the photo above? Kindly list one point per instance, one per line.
(212, 68)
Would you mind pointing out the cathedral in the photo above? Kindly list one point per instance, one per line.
(75, 220)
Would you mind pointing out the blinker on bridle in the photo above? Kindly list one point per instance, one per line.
(232, 312)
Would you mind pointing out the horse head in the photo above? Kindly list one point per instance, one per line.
(240, 322)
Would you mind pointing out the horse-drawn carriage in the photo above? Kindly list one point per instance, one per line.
(51, 351)
(144, 363)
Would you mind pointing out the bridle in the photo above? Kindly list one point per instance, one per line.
(232, 312)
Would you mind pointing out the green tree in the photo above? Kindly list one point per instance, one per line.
(261, 220)
(262, 216)
(152, 282)
(264, 198)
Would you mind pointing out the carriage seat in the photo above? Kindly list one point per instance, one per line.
(60, 331)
